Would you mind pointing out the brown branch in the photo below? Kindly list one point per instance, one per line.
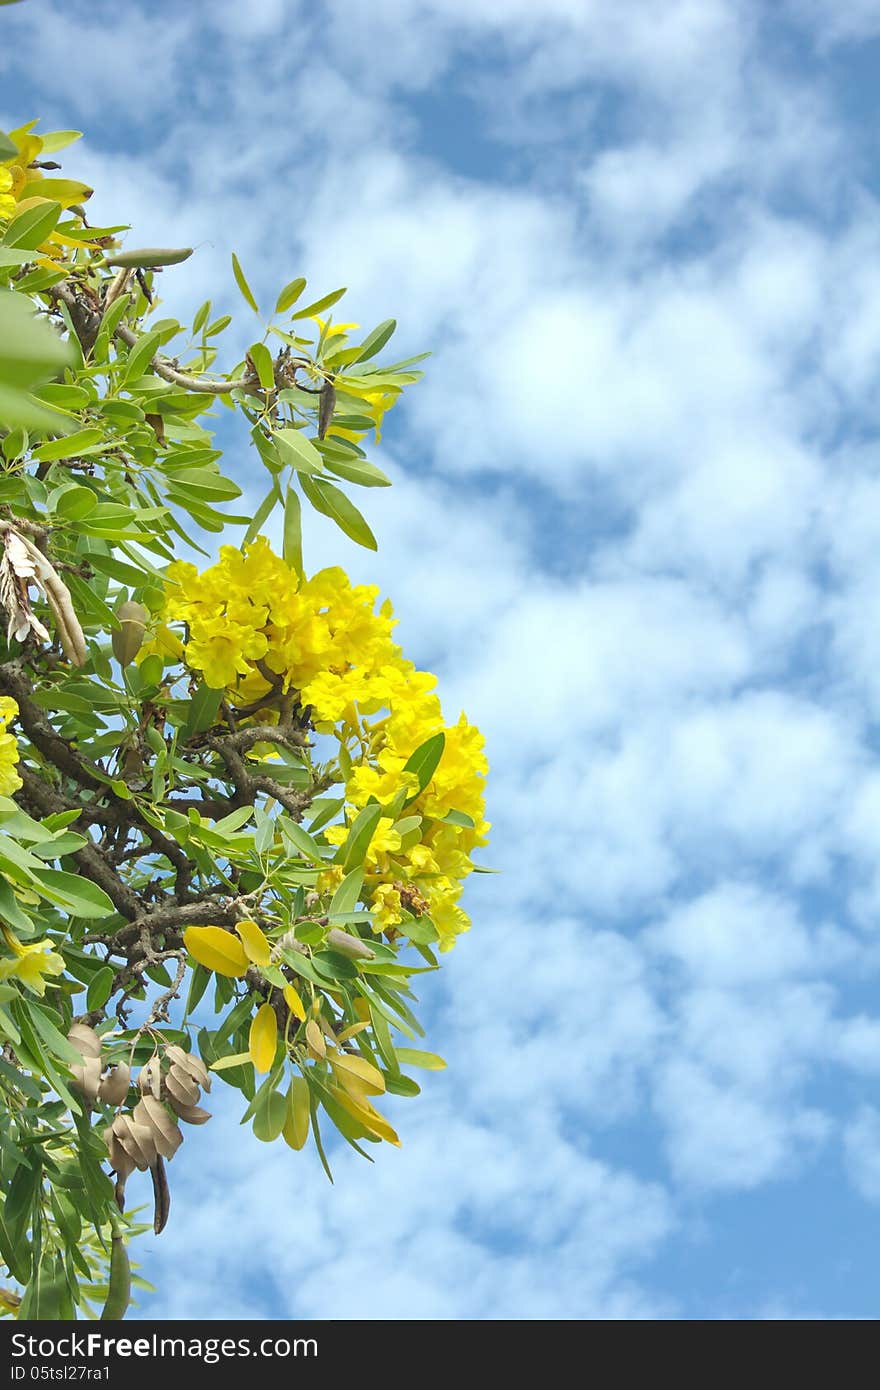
(62, 755)
(248, 783)
(165, 369)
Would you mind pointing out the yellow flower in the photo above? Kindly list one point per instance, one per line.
(7, 198)
(386, 905)
(9, 778)
(30, 962)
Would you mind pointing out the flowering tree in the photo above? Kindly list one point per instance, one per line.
(234, 824)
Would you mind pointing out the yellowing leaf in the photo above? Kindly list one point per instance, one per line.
(263, 1038)
(412, 1057)
(235, 1059)
(315, 1039)
(296, 1125)
(368, 1076)
(63, 191)
(351, 1031)
(216, 950)
(364, 1113)
(294, 1003)
(254, 942)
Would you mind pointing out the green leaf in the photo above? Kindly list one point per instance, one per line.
(99, 990)
(375, 341)
(290, 294)
(8, 148)
(302, 841)
(75, 502)
(262, 360)
(79, 895)
(50, 1035)
(298, 451)
(262, 513)
(203, 709)
(81, 442)
(319, 305)
(423, 762)
(270, 1116)
(328, 500)
(140, 356)
(359, 471)
(242, 283)
(292, 549)
(352, 851)
(31, 227)
(346, 897)
(11, 910)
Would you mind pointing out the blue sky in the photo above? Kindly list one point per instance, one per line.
(636, 529)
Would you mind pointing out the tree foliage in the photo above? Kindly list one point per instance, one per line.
(234, 824)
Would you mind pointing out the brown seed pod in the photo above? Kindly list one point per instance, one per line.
(127, 639)
(166, 1134)
(121, 1162)
(191, 1064)
(181, 1088)
(136, 1140)
(84, 1039)
(192, 1114)
(87, 1078)
(114, 1087)
(150, 1077)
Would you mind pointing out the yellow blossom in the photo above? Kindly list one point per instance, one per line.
(10, 781)
(30, 962)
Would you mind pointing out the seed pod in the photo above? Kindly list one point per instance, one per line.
(166, 1135)
(150, 1077)
(349, 945)
(147, 256)
(137, 1140)
(84, 1039)
(114, 1087)
(121, 1162)
(127, 639)
(181, 1087)
(87, 1078)
(119, 1287)
(161, 1196)
(192, 1114)
(191, 1064)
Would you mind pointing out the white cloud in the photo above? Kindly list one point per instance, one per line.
(862, 1152)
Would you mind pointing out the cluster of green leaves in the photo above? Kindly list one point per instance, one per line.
(132, 820)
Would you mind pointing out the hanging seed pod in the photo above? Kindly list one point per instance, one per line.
(114, 1087)
(137, 1140)
(121, 1162)
(192, 1114)
(191, 1064)
(84, 1039)
(181, 1088)
(127, 639)
(87, 1078)
(166, 1134)
(161, 1196)
(150, 1077)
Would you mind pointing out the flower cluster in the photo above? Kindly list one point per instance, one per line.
(9, 778)
(254, 628)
